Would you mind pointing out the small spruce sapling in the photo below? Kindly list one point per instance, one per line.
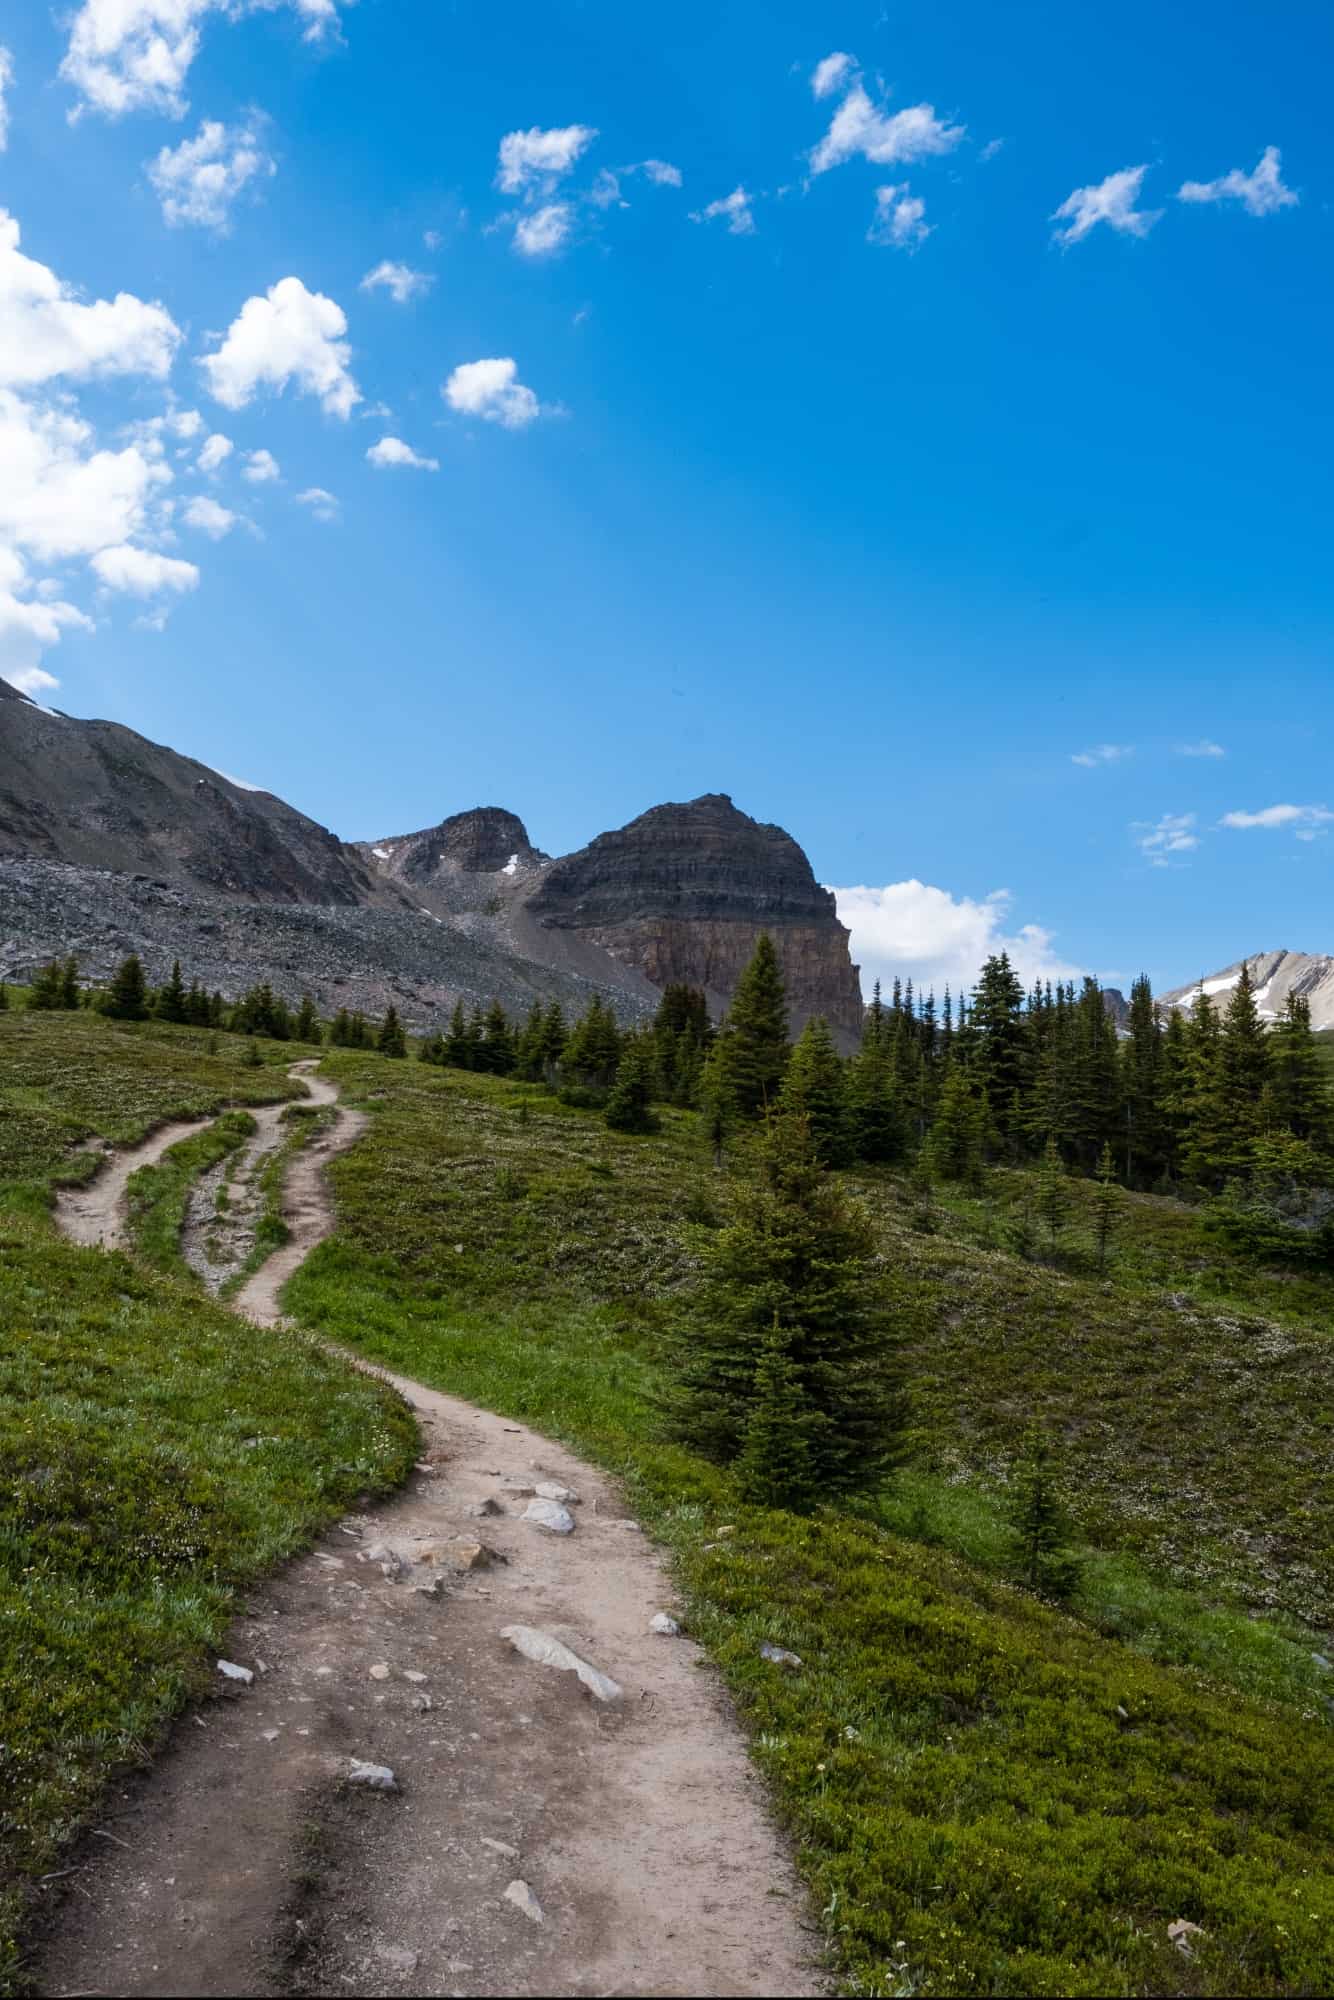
(774, 1469)
(1106, 1207)
(1053, 1196)
(1039, 1516)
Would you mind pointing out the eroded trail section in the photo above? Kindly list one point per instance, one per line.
(536, 1841)
(94, 1214)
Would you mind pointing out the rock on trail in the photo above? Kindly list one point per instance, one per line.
(258, 1860)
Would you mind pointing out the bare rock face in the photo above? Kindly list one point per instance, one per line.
(463, 864)
(684, 892)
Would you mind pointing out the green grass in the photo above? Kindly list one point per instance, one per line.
(157, 1197)
(155, 1452)
(987, 1796)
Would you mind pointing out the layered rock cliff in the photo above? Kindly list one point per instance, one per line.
(463, 864)
(684, 892)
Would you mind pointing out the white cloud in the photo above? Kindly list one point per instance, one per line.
(735, 207)
(542, 230)
(1103, 753)
(134, 55)
(392, 451)
(898, 219)
(6, 81)
(58, 496)
(663, 174)
(198, 181)
(322, 504)
(536, 159)
(1260, 193)
(1174, 833)
(142, 572)
(46, 330)
(1302, 819)
(211, 519)
(1111, 201)
(491, 390)
(28, 628)
(400, 281)
(832, 73)
(184, 424)
(261, 467)
(1206, 747)
(216, 450)
(990, 150)
(606, 189)
(911, 930)
(289, 335)
(858, 127)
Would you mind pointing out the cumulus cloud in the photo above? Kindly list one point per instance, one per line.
(47, 331)
(184, 424)
(211, 519)
(492, 390)
(216, 450)
(1103, 753)
(1158, 839)
(61, 497)
(322, 504)
(1305, 821)
(29, 626)
(392, 451)
(261, 467)
(832, 73)
(288, 335)
(6, 83)
(1111, 201)
(143, 572)
(198, 181)
(606, 189)
(400, 281)
(537, 159)
(732, 208)
(542, 230)
(861, 128)
(1205, 747)
(911, 930)
(663, 174)
(1260, 192)
(898, 219)
(134, 55)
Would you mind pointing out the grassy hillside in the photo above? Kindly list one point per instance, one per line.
(154, 1452)
(988, 1795)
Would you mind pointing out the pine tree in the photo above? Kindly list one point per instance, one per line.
(802, 1252)
(391, 1040)
(775, 1468)
(1003, 1047)
(1243, 1072)
(69, 983)
(127, 995)
(497, 1042)
(1143, 1090)
(1204, 1142)
(955, 1149)
(169, 1004)
(1053, 1196)
(754, 1036)
(629, 1108)
(875, 1119)
(358, 1032)
(252, 1058)
(593, 1050)
(718, 1107)
(813, 1088)
(306, 1027)
(44, 994)
(554, 1037)
(4, 997)
(1299, 1088)
(1041, 1522)
(340, 1034)
(528, 1047)
(1106, 1206)
(457, 1048)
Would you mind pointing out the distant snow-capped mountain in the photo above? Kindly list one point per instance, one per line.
(1274, 975)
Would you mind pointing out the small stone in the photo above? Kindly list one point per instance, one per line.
(1180, 1934)
(663, 1623)
(550, 1489)
(423, 1465)
(380, 1672)
(469, 1555)
(523, 1899)
(780, 1656)
(500, 1847)
(430, 1586)
(549, 1652)
(522, 1489)
(234, 1673)
(411, 1674)
(550, 1515)
(397, 1957)
(422, 1703)
(269, 1735)
(481, 1508)
(1325, 1665)
(376, 1777)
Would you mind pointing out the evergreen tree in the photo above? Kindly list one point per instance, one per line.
(497, 1051)
(169, 1004)
(127, 995)
(775, 1466)
(1300, 1093)
(1053, 1196)
(340, 1034)
(196, 1006)
(718, 1107)
(458, 1051)
(593, 1050)
(956, 1147)
(802, 1253)
(69, 983)
(1041, 1522)
(1243, 1072)
(1003, 1048)
(629, 1106)
(528, 1063)
(875, 1119)
(358, 1032)
(554, 1037)
(1106, 1206)
(1200, 1102)
(252, 1058)
(44, 994)
(754, 1036)
(4, 997)
(813, 1088)
(432, 1049)
(1143, 1090)
(391, 1040)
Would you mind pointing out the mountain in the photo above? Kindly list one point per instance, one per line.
(1274, 975)
(110, 843)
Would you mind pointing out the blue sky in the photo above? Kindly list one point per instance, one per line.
(877, 442)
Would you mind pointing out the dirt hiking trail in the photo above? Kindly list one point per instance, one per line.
(537, 1840)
